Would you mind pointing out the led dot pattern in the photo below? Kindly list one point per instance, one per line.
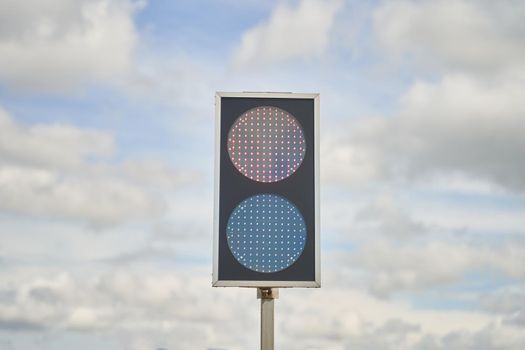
(266, 144)
(266, 233)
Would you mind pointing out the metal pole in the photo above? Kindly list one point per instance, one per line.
(267, 296)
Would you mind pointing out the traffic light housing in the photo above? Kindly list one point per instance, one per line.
(266, 219)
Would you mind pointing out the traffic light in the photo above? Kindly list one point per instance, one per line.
(266, 220)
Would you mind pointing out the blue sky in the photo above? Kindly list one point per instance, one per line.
(106, 171)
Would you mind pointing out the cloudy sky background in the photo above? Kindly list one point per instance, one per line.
(106, 171)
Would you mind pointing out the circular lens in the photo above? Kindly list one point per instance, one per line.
(266, 233)
(266, 144)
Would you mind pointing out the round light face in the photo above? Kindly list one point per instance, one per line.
(266, 144)
(266, 233)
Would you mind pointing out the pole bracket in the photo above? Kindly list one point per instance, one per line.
(267, 293)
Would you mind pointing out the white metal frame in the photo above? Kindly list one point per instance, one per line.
(274, 284)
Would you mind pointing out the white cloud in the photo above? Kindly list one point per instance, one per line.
(491, 337)
(507, 302)
(142, 309)
(465, 126)
(479, 36)
(458, 126)
(347, 160)
(289, 33)
(500, 219)
(392, 267)
(150, 309)
(55, 45)
(173, 78)
(46, 171)
(50, 145)
(387, 217)
(100, 200)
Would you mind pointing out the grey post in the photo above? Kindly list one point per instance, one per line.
(267, 296)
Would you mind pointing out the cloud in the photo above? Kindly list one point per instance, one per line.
(507, 302)
(289, 33)
(50, 145)
(6, 344)
(179, 309)
(458, 126)
(346, 160)
(478, 36)
(386, 216)
(474, 217)
(392, 267)
(349, 319)
(174, 79)
(464, 127)
(55, 45)
(491, 337)
(99, 200)
(51, 171)
(175, 307)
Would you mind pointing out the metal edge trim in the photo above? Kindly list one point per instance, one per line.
(268, 284)
(215, 277)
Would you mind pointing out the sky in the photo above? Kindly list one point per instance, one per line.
(106, 172)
